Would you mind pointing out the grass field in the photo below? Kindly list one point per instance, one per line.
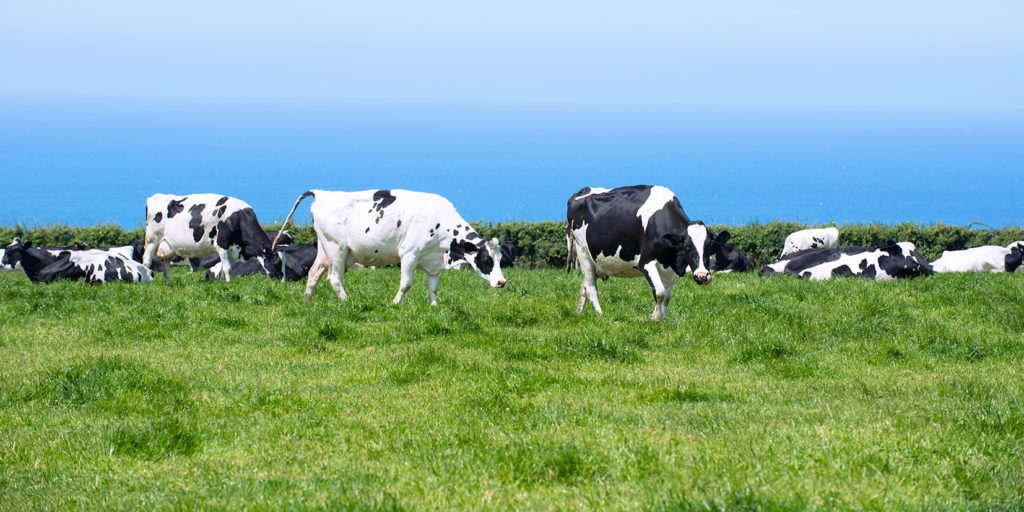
(754, 394)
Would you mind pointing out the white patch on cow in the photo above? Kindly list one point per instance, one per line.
(593, 190)
(810, 239)
(660, 196)
(698, 233)
(988, 258)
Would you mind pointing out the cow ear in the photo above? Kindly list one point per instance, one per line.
(723, 237)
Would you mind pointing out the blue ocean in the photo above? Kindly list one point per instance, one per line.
(88, 161)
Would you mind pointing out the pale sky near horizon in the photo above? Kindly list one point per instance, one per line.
(914, 53)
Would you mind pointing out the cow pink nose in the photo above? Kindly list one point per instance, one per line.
(501, 284)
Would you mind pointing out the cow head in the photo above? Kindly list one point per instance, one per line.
(272, 265)
(13, 253)
(689, 251)
(482, 256)
(728, 257)
(903, 260)
(1015, 258)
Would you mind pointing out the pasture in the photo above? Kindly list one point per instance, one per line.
(755, 393)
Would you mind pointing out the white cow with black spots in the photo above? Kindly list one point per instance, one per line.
(384, 227)
(988, 258)
(198, 225)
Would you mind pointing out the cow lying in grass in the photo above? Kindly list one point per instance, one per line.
(988, 258)
(91, 265)
(888, 260)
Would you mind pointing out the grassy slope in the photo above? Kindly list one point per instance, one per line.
(776, 393)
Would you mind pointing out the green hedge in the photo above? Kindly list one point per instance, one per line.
(542, 244)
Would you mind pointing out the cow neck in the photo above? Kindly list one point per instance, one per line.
(34, 262)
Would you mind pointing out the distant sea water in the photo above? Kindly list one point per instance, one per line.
(88, 161)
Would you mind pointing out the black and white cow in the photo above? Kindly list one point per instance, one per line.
(810, 239)
(728, 258)
(889, 260)
(198, 225)
(384, 227)
(14, 261)
(91, 265)
(988, 258)
(632, 232)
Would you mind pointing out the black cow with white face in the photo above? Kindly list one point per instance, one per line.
(885, 261)
(90, 265)
(632, 232)
(728, 258)
(255, 266)
(198, 225)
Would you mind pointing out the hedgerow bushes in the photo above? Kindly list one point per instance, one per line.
(542, 244)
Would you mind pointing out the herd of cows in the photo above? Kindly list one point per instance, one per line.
(623, 232)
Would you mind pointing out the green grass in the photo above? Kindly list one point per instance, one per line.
(765, 394)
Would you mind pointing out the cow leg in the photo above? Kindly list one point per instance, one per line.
(582, 303)
(669, 279)
(225, 264)
(336, 272)
(432, 282)
(151, 254)
(408, 268)
(316, 271)
(650, 270)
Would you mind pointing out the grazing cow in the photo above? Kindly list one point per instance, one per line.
(632, 232)
(296, 260)
(198, 225)
(91, 265)
(988, 258)
(810, 239)
(728, 258)
(888, 260)
(383, 227)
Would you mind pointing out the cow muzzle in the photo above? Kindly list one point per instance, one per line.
(702, 277)
(499, 284)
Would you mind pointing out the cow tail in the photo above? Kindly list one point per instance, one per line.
(289, 217)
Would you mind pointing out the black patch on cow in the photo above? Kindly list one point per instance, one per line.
(242, 228)
(458, 250)
(842, 271)
(869, 271)
(438, 226)
(221, 201)
(219, 212)
(158, 217)
(484, 261)
(175, 207)
(472, 235)
(213, 232)
(455, 233)
(196, 222)
(382, 199)
(399, 223)
(1013, 260)
(367, 230)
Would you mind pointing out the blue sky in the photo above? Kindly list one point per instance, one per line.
(913, 53)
